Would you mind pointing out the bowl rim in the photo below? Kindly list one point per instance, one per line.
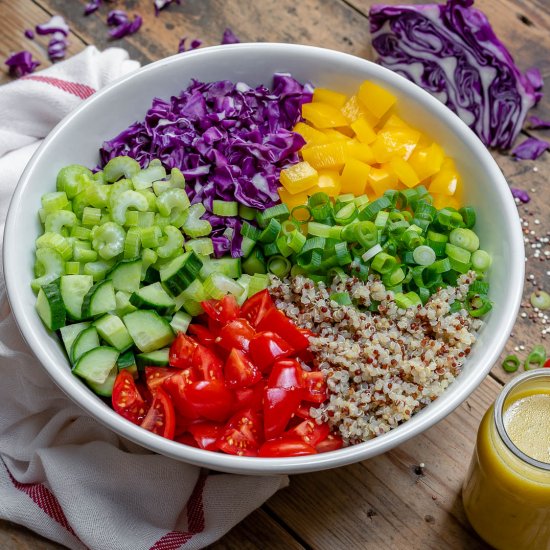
(85, 399)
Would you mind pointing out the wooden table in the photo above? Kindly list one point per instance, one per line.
(383, 502)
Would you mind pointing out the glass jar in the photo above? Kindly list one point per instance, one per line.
(506, 493)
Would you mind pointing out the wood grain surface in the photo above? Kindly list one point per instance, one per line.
(385, 502)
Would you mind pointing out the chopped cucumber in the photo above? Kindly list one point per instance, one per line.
(123, 305)
(114, 332)
(148, 330)
(96, 366)
(126, 275)
(153, 297)
(158, 358)
(69, 334)
(127, 361)
(105, 389)
(180, 321)
(49, 306)
(88, 339)
(73, 290)
(99, 299)
(178, 274)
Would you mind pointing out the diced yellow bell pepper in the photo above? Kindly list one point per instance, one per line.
(441, 201)
(309, 133)
(360, 151)
(394, 122)
(323, 95)
(445, 182)
(395, 142)
(427, 161)
(404, 172)
(375, 98)
(329, 183)
(354, 177)
(363, 130)
(292, 200)
(299, 177)
(332, 134)
(322, 115)
(329, 156)
(381, 179)
(353, 109)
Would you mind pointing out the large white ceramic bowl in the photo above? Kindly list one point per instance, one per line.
(77, 139)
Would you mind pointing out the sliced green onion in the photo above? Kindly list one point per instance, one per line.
(536, 358)
(371, 252)
(384, 263)
(361, 202)
(468, 216)
(320, 206)
(345, 213)
(424, 255)
(405, 301)
(250, 231)
(460, 258)
(271, 232)
(481, 287)
(326, 231)
(347, 197)
(296, 240)
(279, 212)
(342, 254)
(478, 305)
(441, 266)
(341, 298)
(511, 363)
(282, 246)
(301, 214)
(365, 233)
(279, 266)
(370, 211)
(394, 277)
(481, 261)
(449, 218)
(464, 238)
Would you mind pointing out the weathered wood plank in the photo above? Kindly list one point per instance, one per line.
(15, 537)
(21, 15)
(382, 502)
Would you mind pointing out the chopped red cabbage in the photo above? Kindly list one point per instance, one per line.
(229, 37)
(55, 25)
(21, 63)
(161, 4)
(538, 123)
(229, 140)
(29, 33)
(123, 25)
(193, 46)
(520, 194)
(92, 6)
(530, 149)
(57, 46)
(451, 51)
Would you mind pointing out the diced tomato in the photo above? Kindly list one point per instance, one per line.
(242, 435)
(207, 364)
(283, 446)
(286, 373)
(311, 432)
(266, 347)
(250, 398)
(255, 308)
(155, 377)
(315, 387)
(181, 351)
(187, 439)
(126, 398)
(161, 418)
(202, 334)
(276, 321)
(303, 411)
(308, 359)
(206, 434)
(208, 399)
(240, 372)
(236, 334)
(222, 311)
(333, 442)
(175, 386)
(278, 407)
(546, 364)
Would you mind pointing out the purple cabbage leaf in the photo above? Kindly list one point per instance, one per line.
(123, 25)
(537, 123)
(21, 63)
(195, 43)
(229, 37)
(530, 149)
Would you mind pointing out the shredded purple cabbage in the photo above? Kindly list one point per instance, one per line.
(161, 4)
(530, 149)
(92, 6)
(538, 123)
(57, 46)
(451, 51)
(29, 33)
(192, 46)
(229, 37)
(55, 25)
(520, 194)
(229, 140)
(21, 63)
(123, 25)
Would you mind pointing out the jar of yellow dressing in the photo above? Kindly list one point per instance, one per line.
(506, 493)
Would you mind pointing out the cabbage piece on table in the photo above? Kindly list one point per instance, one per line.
(452, 52)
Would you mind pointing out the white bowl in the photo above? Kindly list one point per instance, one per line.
(77, 138)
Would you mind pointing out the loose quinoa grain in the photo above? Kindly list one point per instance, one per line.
(384, 366)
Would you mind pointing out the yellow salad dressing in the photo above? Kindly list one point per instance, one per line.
(506, 493)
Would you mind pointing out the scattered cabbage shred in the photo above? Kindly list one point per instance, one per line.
(451, 51)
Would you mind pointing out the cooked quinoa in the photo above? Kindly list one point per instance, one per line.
(384, 366)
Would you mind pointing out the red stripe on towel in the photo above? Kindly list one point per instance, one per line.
(82, 91)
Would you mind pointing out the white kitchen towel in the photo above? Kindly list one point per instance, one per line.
(62, 474)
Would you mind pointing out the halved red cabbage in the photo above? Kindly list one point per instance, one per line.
(451, 51)
(530, 149)
(229, 140)
(21, 63)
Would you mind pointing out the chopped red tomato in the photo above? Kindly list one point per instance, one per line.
(240, 372)
(242, 434)
(255, 308)
(160, 418)
(209, 399)
(187, 439)
(311, 432)
(546, 364)
(236, 334)
(222, 311)
(155, 377)
(175, 386)
(126, 398)
(278, 407)
(276, 321)
(266, 347)
(283, 446)
(250, 398)
(207, 364)
(181, 351)
(202, 334)
(315, 387)
(206, 434)
(286, 373)
(333, 442)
